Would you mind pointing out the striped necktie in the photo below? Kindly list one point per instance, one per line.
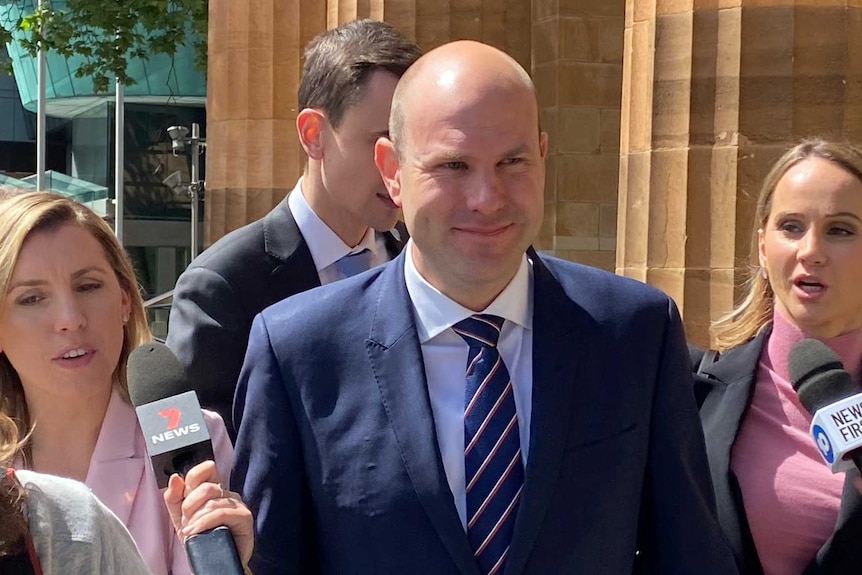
(354, 263)
(494, 472)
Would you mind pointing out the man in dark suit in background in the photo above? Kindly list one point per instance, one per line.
(473, 407)
(335, 222)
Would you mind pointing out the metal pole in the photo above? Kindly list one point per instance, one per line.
(119, 165)
(40, 117)
(194, 185)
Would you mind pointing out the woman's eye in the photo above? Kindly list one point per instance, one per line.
(89, 286)
(841, 231)
(29, 299)
(790, 227)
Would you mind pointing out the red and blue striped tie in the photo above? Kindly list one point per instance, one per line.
(494, 472)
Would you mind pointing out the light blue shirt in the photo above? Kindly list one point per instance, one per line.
(325, 246)
(445, 357)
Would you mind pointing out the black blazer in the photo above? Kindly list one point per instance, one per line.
(218, 295)
(724, 390)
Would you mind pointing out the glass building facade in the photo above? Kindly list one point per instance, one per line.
(80, 159)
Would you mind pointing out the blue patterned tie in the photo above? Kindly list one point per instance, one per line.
(355, 263)
(494, 472)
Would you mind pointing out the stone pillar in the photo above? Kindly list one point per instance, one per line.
(577, 68)
(713, 93)
(501, 23)
(254, 63)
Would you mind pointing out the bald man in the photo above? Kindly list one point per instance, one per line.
(473, 407)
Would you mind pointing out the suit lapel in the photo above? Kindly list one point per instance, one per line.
(842, 548)
(295, 271)
(557, 362)
(116, 469)
(731, 379)
(396, 360)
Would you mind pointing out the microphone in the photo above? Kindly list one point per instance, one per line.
(177, 440)
(829, 393)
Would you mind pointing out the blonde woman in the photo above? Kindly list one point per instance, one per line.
(70, 314)
(782, 510)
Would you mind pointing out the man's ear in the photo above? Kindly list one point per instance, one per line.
(309, 128)
(389, 167)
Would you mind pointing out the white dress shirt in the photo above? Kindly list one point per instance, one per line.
(325, 246)
(445, 357)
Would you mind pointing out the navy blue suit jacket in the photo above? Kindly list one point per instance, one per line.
(337, 453)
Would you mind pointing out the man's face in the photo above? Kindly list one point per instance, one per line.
(349, 175)
(470, 181)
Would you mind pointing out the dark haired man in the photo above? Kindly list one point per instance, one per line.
(334, 223)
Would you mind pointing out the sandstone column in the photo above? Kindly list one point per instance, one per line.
(577, 68)
(713, 92)
(255, 58)
(501, 23)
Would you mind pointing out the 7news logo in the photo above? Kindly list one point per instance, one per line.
(173, 428)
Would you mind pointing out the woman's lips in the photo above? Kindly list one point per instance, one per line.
(809, 288)
(75, 357)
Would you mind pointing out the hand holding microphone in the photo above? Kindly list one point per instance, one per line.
(179, 445)
(198, 503)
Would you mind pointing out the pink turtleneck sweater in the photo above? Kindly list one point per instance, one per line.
(791, 498)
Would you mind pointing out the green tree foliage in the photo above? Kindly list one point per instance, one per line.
(109, 33)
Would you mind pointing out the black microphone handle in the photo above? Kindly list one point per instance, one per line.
(213, 552)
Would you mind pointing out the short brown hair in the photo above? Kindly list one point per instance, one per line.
(339, 62)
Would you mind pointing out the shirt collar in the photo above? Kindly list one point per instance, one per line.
(325, 246)
(435, 312)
